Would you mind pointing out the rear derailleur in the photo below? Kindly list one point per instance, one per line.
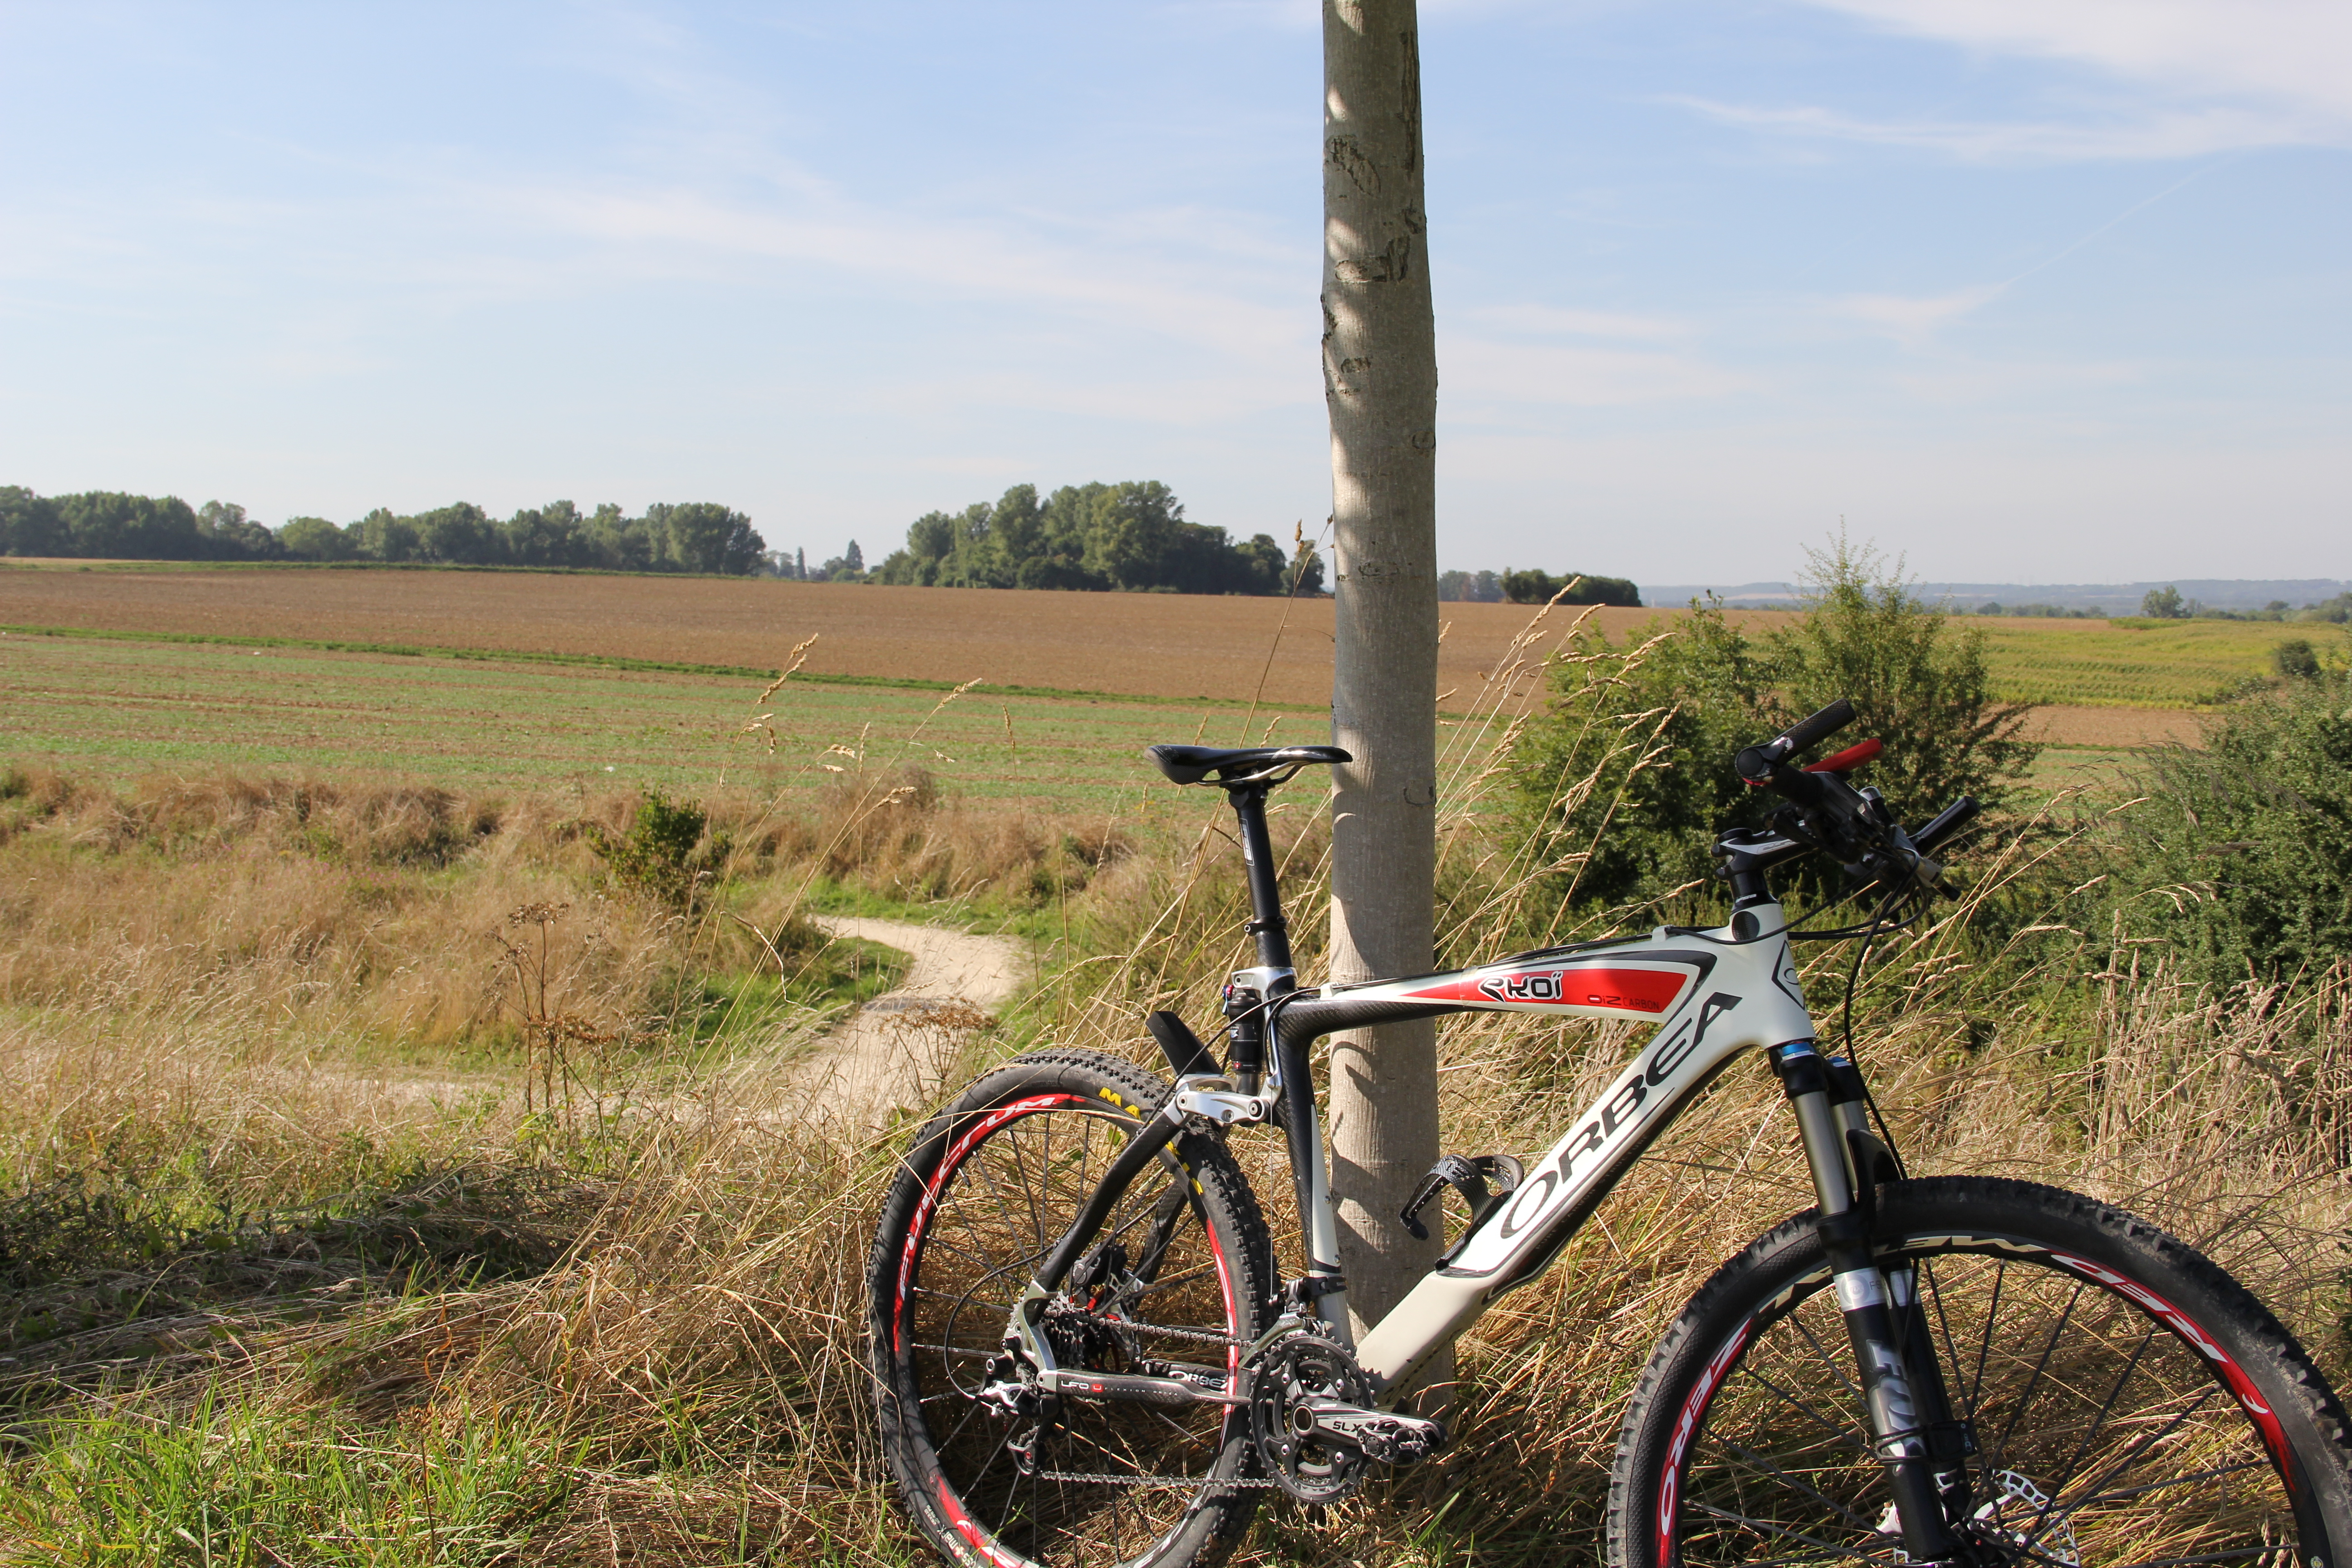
(1310, 1414)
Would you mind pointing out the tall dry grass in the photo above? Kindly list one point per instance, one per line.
(674, 1374)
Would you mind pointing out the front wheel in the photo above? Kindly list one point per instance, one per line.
(1175, 1288)
(2112, 1397)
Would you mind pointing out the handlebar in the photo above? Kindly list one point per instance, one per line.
(1853, 825)
(1756, 764)
(1949, 821)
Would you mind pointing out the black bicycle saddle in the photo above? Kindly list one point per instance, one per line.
(1247, 764)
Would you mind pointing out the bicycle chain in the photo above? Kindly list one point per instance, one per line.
(1235, 1483)
(1068, 1314)
(1093, 1477)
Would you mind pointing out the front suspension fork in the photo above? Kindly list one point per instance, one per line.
(1911, 1429)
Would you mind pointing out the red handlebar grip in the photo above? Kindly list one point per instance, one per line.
(1845, 761)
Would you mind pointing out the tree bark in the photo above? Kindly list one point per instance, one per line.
(1379, 381)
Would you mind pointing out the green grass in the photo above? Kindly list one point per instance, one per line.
(235, 1481)
(2135, 663)
(117, 708)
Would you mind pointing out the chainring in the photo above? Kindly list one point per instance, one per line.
(1301, 1365)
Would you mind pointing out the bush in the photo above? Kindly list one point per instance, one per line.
(658, 854)
(2296, 659)
(2240, 856)
(1624, 778)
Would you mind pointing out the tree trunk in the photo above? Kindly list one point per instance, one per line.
(1379, 380)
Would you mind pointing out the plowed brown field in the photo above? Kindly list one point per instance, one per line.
(1144, 645)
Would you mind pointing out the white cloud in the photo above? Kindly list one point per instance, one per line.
(2184, 77)
(2166, 133)
(2293, 57)
(1914, 321)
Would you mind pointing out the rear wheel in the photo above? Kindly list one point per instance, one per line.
(2113, 1398)
(1175, 1288)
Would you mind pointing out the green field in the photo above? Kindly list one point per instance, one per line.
(2137, 663)
(121, 708)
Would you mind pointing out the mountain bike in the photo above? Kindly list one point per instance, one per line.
(1085, 1350)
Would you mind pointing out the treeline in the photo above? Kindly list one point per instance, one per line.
(692, 536)
(1131, 536)
(2167, 605)
(1533, 587)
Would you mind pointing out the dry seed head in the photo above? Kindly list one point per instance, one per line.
(792, 661)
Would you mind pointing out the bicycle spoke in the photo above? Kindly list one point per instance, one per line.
(1761, 1463)
(2193, 1477)
(1765, 1526)
(1984, 1347)
(2147, 1442)
(1836, 1366)
(2025, 1397)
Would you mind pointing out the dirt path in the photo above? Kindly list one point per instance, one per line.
(889, 1054)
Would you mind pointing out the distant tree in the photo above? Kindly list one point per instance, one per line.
(849, 567)
(1533, 587)
(316, 539)
(384, 535)
(1132, 535)
(703, 536)
(29, 524)
(461, 533)
(1260, 566)
(110, 524)
(2163, 604)
(551, 535)
(1469, 587)
(229, 535)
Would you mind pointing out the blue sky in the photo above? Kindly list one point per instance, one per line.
(2024, 290)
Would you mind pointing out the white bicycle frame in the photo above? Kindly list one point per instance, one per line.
(1712, 995)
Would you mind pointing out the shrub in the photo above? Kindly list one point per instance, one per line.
(1625, 777)
(658, 855)
(2296, 659)
(2241, 854)
(1918, 682)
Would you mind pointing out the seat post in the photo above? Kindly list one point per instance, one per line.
(1266, 924)
(1248, 994)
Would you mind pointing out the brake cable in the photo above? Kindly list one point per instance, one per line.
(1845, 1020)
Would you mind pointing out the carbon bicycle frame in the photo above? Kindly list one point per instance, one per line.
(1712, 993)
(1712, 996)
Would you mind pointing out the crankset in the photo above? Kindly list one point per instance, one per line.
(1310, 1414)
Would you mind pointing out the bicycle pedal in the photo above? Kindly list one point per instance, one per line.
(1383, 1436)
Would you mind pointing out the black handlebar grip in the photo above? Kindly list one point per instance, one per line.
(1811, 732)
(1949, 821)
